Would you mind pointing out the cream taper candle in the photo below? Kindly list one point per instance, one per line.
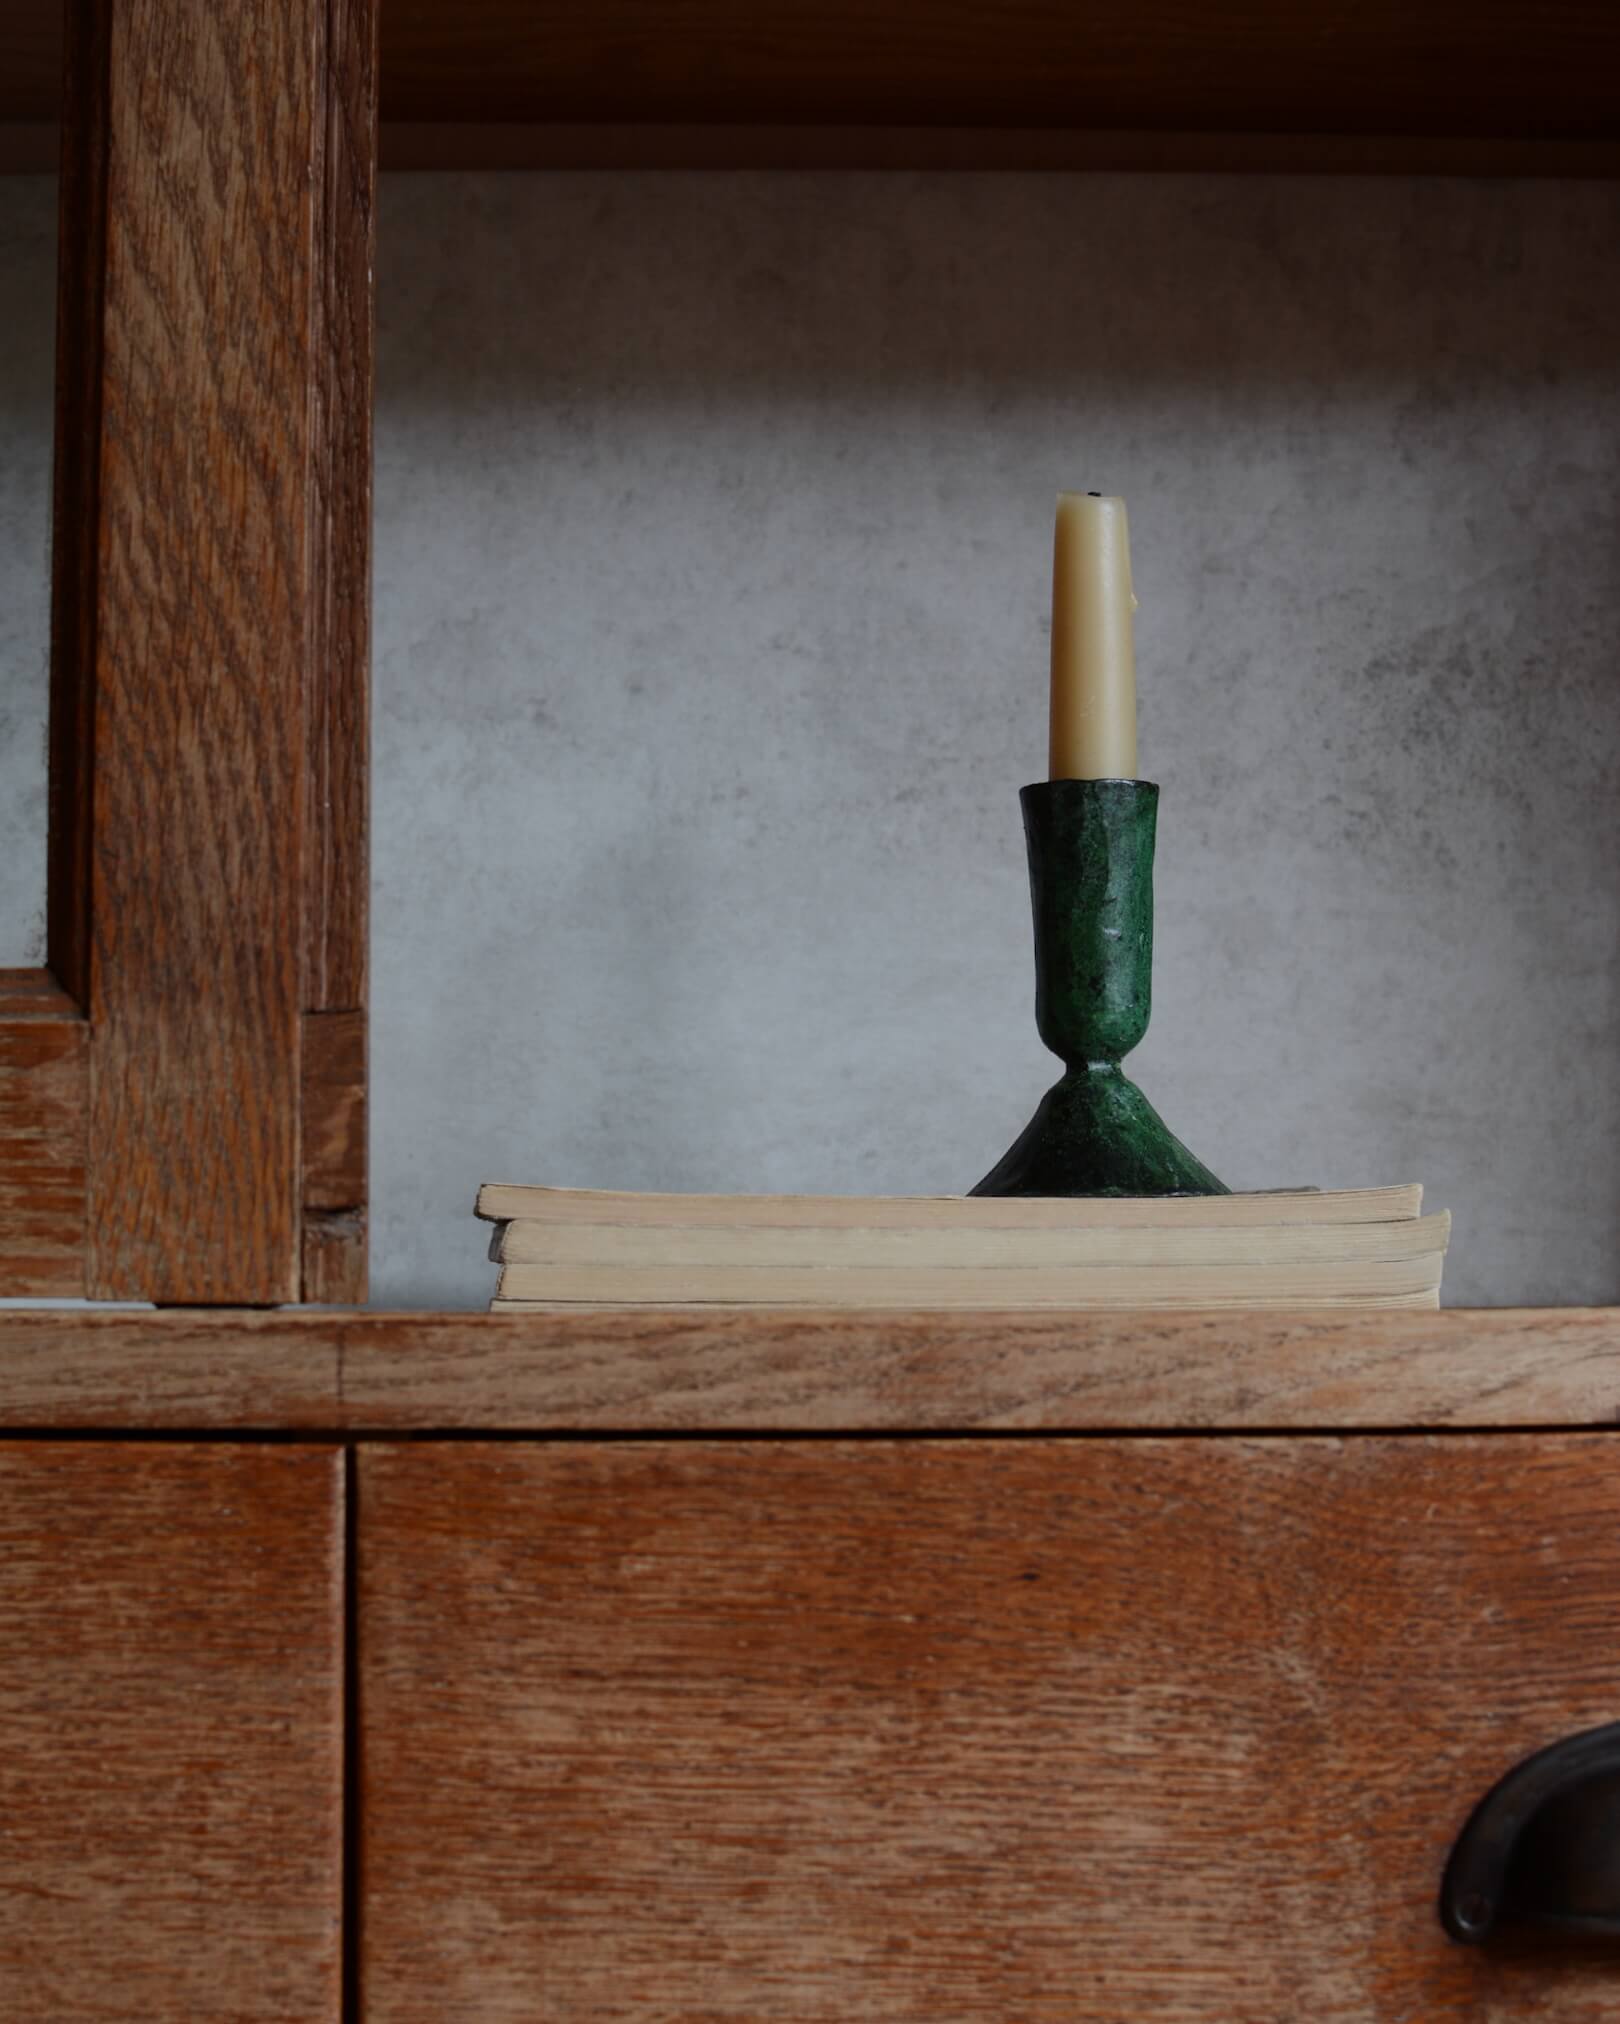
(1093, 646)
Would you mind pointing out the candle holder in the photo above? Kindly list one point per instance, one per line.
(1091, 886)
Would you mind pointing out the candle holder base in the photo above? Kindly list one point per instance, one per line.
(1095, 1133)
(1091, 887)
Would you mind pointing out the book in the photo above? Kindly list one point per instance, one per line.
(942, 1285)
(1248, 1304)
(560, 1248)
(677, 1246)
(500, 1202)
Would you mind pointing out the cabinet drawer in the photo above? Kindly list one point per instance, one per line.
(1094, 1729)
(170, 1748)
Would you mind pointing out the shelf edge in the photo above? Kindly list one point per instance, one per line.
(810, 1371)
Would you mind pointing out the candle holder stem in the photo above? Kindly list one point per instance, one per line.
(1091, 887)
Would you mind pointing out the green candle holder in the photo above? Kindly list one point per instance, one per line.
(1091, 886)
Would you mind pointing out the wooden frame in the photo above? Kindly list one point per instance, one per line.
(1387, 77)
(182, 1088)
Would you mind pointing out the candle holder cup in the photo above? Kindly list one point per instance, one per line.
(1090, 848)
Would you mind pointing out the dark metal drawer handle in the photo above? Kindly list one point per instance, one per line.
(1543, 1846)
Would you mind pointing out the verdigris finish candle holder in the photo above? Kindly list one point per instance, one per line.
(1091, 885)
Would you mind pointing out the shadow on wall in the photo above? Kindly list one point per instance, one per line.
(27, 410)
(713, 287)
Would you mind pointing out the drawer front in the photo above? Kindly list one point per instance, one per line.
(170, 1748)
(1106, 1729)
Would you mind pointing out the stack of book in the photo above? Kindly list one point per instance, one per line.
(572, 1247)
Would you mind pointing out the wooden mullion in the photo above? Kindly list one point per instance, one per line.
(75, 518)
(211, 635)
(203, 521)
(335, 918)
(334, 1179)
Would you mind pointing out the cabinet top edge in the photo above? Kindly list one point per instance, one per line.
(807, 1371)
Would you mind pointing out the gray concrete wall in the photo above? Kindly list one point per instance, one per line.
(712, 575)
(27, 371)
(713, 525)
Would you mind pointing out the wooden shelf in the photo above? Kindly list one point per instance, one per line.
(1162, 83)
(814, 1372)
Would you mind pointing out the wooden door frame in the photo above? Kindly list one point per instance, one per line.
(182, 1086)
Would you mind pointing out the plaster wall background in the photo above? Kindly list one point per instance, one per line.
(27, 406)
(712, 557)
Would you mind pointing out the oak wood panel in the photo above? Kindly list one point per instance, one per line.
(231, 553)
(1078, 1731)
(334, 1102)
(338, 786)
(176, 1370)
(1436, 67)
(334, 1184)
(334, 1256)
(170, 1700)
(204, 558)
(846, 1370)
(34, 994)
(44, 1101)
(809, 1373)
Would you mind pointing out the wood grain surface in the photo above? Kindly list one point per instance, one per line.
(334, 1101)
(338, 769)
(339, 695)
(34, 994)
(838, 1371)
(209, 1368)
(334, 1256)
(170, 1704)
(333, 1193)
(1431, 67)
(203, 635)
(808, 1373)
(231, 508)
(44, 1100)
(1087, 1732)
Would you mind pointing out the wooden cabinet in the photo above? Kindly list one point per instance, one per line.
(171, 1671)
(1062, 1720)
(1092, 1730)
(789, 1667)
